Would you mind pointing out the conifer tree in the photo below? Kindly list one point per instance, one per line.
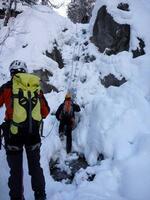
(79, 11)
(9, 7)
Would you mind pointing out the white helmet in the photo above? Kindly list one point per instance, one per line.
(17, 66)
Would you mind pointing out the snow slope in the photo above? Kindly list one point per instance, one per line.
(114, 121)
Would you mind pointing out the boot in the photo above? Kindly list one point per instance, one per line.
(40, 196)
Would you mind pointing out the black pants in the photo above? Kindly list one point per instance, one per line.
(15, 182)
(66, 128)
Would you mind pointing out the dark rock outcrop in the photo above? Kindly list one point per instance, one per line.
(89, 58)
(44, 76)
(109, 36)
(24, 46)
(111, 80)
(2, 13)
(56, 56)
(13, 13)
(123, 6)
(140, 50)
(71, 167)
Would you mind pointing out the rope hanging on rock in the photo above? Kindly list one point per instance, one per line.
(73, 78)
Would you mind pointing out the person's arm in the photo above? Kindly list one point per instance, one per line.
(45, 109)
(58, 112)
(1, 96)
(76, 108)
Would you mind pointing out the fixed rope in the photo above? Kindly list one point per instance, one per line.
(44, 137)
(73, 78)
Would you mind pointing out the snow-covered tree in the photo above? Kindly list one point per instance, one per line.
(9, 7)
(6, 3)
(79, 11)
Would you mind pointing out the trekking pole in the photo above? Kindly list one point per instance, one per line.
(41, 128)
(0, 141)
(30, 112)
(0, 137)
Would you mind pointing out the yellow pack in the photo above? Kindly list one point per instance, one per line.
(26, 101)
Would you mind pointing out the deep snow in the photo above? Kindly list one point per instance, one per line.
(114, 121)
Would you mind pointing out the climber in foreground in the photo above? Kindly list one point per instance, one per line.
(66, 115)
(26, 106)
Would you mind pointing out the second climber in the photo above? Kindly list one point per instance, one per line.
(66, 116)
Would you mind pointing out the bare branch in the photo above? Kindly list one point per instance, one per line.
(55, 6)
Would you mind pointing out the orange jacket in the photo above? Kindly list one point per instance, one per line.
(6, 98)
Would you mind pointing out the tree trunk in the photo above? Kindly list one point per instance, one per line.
(8, 13)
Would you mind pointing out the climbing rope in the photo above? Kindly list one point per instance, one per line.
(44, 137)
(72, 83)
(76, 69)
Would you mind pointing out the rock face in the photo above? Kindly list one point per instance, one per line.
(44, 76)
(66, 169)
(56, 56)
(123, 6)
(111, 80)
(2, 13)
(140, 50)
(13, 13)
(69, 167)
(109, 36)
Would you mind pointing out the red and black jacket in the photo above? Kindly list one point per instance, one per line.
(6, 99)
(76, 108)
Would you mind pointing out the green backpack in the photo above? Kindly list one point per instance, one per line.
(26, 101)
